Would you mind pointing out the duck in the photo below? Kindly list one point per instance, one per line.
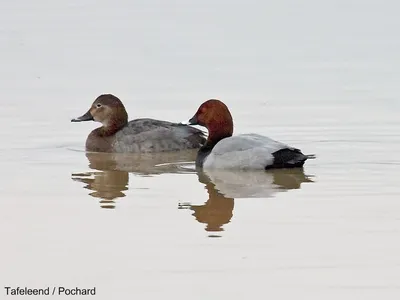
(144, 135)
(248, 151)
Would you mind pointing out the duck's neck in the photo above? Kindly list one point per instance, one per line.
(112, 127)
(203, 152)
(219, 132)
(213, 138)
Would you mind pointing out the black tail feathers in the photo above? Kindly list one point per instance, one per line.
(289, 158)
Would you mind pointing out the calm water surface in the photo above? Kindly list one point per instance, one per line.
(320, 76)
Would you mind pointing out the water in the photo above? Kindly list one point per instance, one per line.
(320, 76)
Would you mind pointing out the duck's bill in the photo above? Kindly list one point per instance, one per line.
(86, 117)
(192, 121)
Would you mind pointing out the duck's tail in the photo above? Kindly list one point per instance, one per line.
(288, 158)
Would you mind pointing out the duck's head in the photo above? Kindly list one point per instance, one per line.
(106, 109)
(216, 117)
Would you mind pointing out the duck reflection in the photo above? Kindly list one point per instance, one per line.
(111, 177)
(224, 186)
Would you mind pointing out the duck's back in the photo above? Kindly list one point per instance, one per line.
(249, 151)
(243, 142)
(150, 135)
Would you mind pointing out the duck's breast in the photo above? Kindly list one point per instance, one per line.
(149, 135)
(95, 142)
(244, 151)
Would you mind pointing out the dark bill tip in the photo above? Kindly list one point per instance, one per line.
(193, 121)
(86, 117)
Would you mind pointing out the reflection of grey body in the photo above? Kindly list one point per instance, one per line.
(112, 175)
(223, 186)
(256, 184)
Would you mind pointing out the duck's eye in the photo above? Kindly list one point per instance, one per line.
(98, 105)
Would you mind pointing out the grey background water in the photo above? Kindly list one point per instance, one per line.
(322, 76)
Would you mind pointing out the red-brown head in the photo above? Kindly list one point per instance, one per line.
(215, 116)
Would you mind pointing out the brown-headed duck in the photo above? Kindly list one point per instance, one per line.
(136, 136)
(244, 151)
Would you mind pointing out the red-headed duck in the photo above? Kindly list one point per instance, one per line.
(136, 136)
(244, 151)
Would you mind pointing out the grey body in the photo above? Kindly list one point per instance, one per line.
(146, 136)
(250, 151)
